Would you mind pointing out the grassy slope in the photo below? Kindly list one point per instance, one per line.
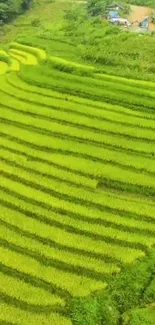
(47, 12)
(50, 18)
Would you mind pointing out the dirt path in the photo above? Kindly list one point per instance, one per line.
(138, 13)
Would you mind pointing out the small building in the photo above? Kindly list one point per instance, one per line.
(113, 14)
(144, 23)
(115, 7)
(113, 11)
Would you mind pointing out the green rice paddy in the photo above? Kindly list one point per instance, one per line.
(76, 179)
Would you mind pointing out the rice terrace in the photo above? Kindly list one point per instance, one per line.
(77, 166)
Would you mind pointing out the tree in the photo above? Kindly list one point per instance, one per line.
(97, 7)
(10, 8)
(26, 4)
(4, 12)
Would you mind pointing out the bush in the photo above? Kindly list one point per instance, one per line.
(97, 7)
(35, 22)
(127, 291)
(149, 294)
(128, 287)
(94, 310)
(85, 311)
(108, 311)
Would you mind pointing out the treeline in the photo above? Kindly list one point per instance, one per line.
(99, 7)
(10, 8)
(145, 3)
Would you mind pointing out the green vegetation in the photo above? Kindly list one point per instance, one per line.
(52, 178)
(97, 7)
(77, 168)
(149, 3)
(112, 49)
(126, 291)
(10, 8)
(140, 316)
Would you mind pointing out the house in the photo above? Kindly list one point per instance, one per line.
(113, 14)
(115, 7)
(113, 11)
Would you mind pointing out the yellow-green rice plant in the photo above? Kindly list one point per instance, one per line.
(119, 201)
(18, 289)
(51, 171)
(13, 314)
(116, 218)
(75, 285)
(123, 254)
(3, 68)
(107, 113)
(101, 231)
(110, 172)
(136, 83)
(17, 82)
(4, 57)
(102, 155)
(59, 144)
(37, 236)
(86, 87)
(30, 59)
(40, 54)
(20, 58)
(126, 86)
(15, 65)
(74, 133)
(88, 115)
(98, 231)
(70, 67)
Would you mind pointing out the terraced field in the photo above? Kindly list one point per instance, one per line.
(77, 182)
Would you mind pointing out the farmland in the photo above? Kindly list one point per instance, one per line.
(77, 189)
(77, 183)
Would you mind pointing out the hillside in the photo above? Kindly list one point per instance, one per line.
(77, 168)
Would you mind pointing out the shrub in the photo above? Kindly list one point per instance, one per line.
(85, 311)
(108, 311)
(128, 287)
(149, 294)
(35, 22)
(94, 310)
